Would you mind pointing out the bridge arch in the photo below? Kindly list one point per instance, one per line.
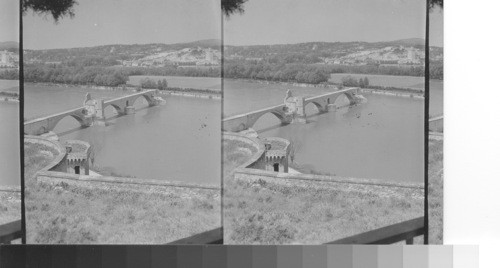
(349, 95)
(318, 105)
(146, 96)
(278, 114)
(52, 125)
(117, 108)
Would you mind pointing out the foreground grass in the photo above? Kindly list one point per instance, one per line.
(10, 206)
(435, 192)
(59, 211)
(258, 210)
(235, 154)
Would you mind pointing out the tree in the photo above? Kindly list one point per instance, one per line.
(361, 82)
(436, 3)
(349, 81)
(366, 82)
(162, 84)
(295, 146)
(57, 8)
(230, 7)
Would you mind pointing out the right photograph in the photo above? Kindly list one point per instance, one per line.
(323, 122)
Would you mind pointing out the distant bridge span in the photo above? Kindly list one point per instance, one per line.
(121, 103)
(92, 109)
(291, 110)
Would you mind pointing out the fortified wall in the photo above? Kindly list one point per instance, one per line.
(271, 153)
(270, 162)
(71, 164)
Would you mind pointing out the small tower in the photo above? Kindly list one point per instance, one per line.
(276, 155)
(77, 157)
(295, 107)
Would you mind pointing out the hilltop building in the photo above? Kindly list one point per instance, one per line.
(8, 59)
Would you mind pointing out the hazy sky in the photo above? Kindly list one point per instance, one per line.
(102, 22)
(436, 27)
(9, 20)
(296, 21)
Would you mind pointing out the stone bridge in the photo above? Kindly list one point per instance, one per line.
(292, 110)
(125, 105)
(436, 124)
(92, 109)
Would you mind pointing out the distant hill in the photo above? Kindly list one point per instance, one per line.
(116, 52)
(408, 42)
(320, 52)
(10, 46)
(211, 43)
(208, 52)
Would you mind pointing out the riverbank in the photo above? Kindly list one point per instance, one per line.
(391, 91)
(65, 211)
(9, 96)
(192, 93)
(175, 91)
(395, 92)
(9, 99)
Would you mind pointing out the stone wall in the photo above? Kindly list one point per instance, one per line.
(258, 159)
(248, 172)
(55, 177)
(59, 161)
(55, 172)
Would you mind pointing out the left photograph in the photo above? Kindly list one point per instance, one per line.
(122, 108)
(10, 167)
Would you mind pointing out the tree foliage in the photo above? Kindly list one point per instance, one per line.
(65, 73)
(349, 81)
(56, 8)
(301, 73)
(230, 7)
(436, 3)
(9, 74)
(149, 83)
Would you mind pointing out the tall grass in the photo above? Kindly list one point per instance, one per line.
(435, 192)
(260, 210)
(10, 206)
(235, 153)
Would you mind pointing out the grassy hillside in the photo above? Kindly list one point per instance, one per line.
(260, 210)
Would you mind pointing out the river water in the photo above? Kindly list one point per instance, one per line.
(178, 141)
(380, 139)
(9, 142)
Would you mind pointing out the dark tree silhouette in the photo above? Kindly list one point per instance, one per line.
(57, 8)
(230, 7)
(436, 3)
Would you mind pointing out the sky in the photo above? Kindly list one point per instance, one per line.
(436, 26)
(104, 22)
(9, 20)
(296, 21)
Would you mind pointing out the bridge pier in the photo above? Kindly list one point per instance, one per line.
(299, 119)
(130, 110)
(87, 121)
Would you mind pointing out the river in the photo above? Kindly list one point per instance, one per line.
(178, 141)
(386, 144)
(380, 139)
(9, 143)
